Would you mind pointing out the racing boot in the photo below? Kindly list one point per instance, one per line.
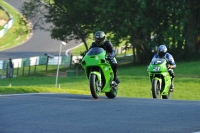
(116, 79)
(172, 85)
(114, 68)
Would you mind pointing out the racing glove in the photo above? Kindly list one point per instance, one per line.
(169, 66)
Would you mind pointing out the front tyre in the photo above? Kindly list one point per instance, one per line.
(94, 88)
(155, 88)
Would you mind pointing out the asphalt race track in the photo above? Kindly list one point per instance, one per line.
(64, 113)
(39, 43)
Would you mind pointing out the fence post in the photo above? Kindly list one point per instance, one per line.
(13, 71)
(7, 71)
(35, 66)
(18, 69)
(23, 68)
(29, 68)
(71, 61)
(47, 63)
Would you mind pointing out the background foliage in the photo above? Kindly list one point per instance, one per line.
(144, 24)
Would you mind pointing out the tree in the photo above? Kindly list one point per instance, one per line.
(192, 26)
(143, 23)
(67, 19)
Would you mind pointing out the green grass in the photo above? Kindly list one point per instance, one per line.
(14, 36)
(3, 15)
(134, 83)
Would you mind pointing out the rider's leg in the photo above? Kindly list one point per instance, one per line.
(171, 72)
(115, 70)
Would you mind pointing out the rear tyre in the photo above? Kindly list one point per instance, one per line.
(167, 96)
(94, 88)
(113, 91)
(155, 88)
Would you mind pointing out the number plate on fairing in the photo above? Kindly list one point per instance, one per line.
(156, 69)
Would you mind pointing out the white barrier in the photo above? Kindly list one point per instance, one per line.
(8, 25)
(54, 61)
(34, 60)
(1, 64)
(17, 63)
(37, 60)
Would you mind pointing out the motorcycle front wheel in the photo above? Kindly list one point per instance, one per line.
(94, 88)
(155, 88)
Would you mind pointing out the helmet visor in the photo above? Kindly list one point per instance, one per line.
(99, 40)
(161, 54)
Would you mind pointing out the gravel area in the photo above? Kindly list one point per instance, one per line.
(2, 22)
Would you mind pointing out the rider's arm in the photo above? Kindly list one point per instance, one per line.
(110, 49)
(173, 66)
(154, 57)
(171, 61)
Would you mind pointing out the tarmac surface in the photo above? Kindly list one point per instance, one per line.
(67, 113)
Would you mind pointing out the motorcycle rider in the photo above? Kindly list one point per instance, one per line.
(162, 53)
(100, 41)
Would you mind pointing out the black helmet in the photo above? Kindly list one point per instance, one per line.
(162, 50)
(99, 37)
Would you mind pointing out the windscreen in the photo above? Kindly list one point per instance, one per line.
(157, 61)
(95, 51)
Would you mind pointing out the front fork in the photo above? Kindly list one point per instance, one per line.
(160, 81)
(157, 78)
(98, 74)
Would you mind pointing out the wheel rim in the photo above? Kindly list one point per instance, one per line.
(97, 87)
(158, 89)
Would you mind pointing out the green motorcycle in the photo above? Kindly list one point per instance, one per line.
(99, 73)
(160, 79)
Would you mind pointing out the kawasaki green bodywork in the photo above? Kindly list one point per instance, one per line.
(94, 62)
(158, 70)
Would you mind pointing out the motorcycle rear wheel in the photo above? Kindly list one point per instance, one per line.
(113, 91)
(155, 88)
(167, 96)
(94, 88)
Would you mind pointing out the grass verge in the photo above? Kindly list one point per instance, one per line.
(17, 33)
(134, 83)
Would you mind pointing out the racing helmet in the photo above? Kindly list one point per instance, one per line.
(99, 37)
(162, 50)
